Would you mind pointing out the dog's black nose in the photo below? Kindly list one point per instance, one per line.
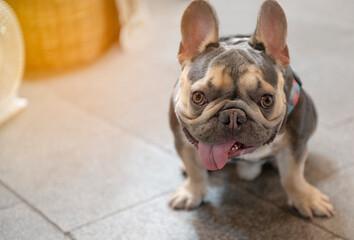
(233, 118)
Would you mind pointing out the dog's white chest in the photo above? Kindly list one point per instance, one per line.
(265, 150)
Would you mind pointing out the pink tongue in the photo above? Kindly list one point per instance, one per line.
(214, 156)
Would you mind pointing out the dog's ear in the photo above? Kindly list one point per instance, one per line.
(199, 27)
(271, 32)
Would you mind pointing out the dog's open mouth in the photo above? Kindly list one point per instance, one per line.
(215, 156)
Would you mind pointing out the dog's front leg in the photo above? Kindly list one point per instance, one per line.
(190, 195)
(308, 199)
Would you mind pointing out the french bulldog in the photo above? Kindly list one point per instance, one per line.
(238, 98)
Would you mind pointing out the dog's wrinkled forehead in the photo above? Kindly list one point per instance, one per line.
(235, 61)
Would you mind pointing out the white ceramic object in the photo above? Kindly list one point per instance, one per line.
(11, 63)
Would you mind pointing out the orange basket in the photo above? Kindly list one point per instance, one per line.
(65, 33)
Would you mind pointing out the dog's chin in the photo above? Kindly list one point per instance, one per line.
(215, 156)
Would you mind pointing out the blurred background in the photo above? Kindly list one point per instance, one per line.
(85, 147)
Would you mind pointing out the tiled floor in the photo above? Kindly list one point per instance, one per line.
(92, 156)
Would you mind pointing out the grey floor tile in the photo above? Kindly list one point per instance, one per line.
(236, 18)
(48, 125)
(226, 214)
(347, 126)
(93, 180)
(322, 12)
(331, 149)
(131, 101)
(7, 199)
(340, 187)
(21, 223)
(330, 85)
(150, 120)
(128, 79)
(138, 100)
(311, 46)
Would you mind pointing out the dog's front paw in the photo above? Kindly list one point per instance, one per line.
(311, 201)
(188, 196)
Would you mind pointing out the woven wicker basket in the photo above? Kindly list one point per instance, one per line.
(65, 33)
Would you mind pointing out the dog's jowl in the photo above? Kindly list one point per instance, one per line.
(238, 98)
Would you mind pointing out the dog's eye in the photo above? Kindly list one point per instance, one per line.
(198, 98)
(266, 101)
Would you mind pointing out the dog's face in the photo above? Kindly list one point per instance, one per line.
(230, 98)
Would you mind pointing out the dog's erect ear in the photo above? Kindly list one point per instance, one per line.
(199, 27)
(271, 31)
